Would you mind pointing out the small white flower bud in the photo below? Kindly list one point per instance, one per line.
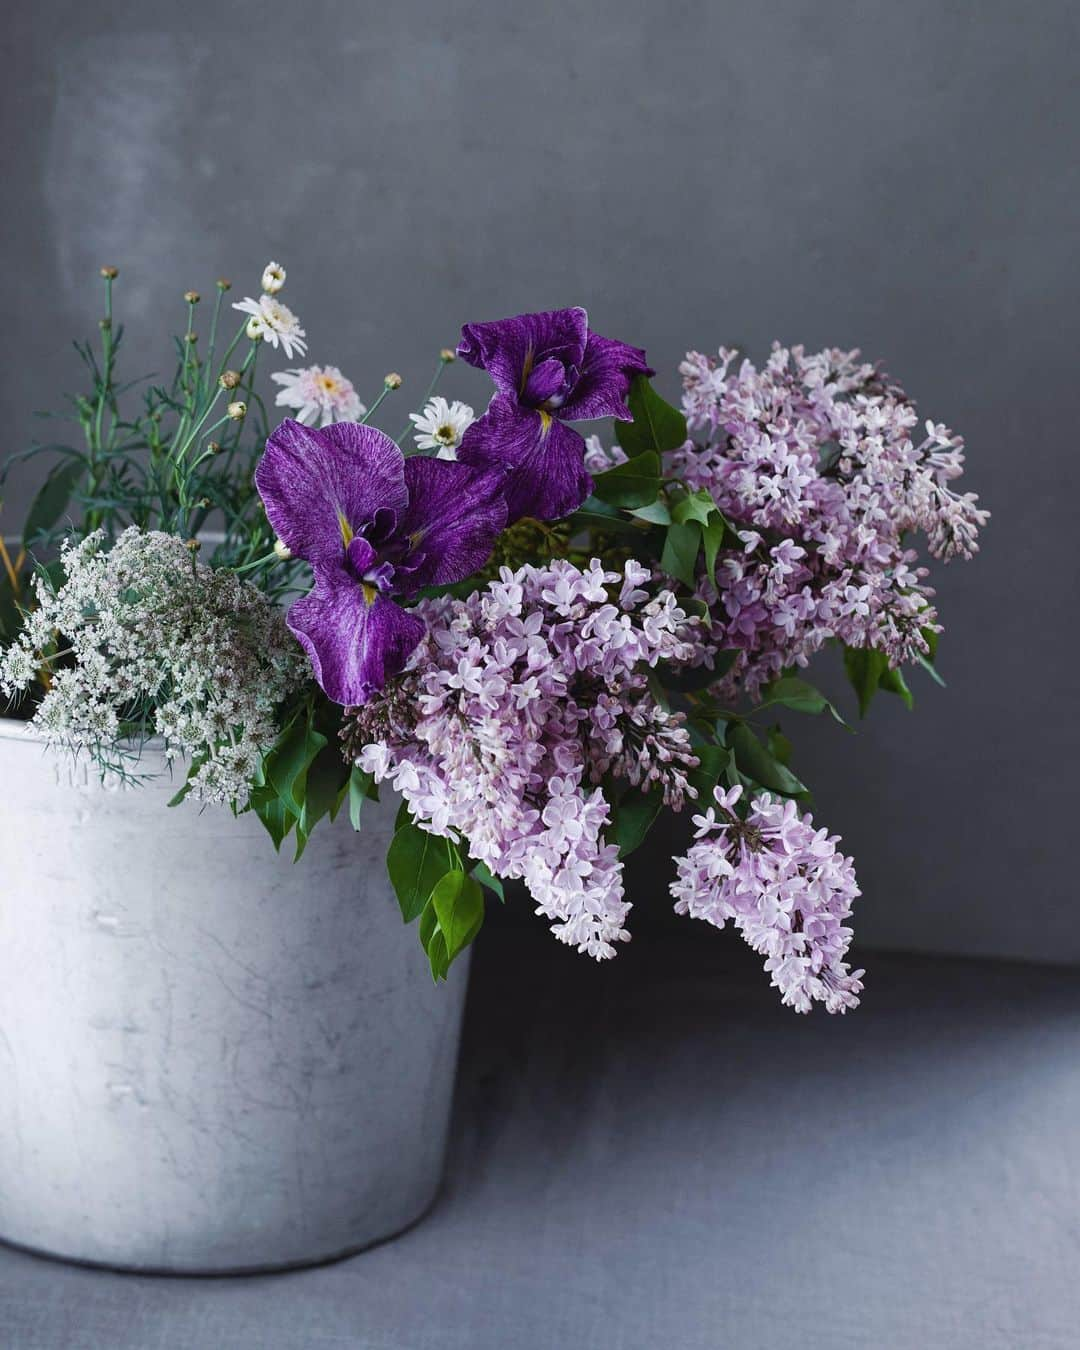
(255, 328)
(447, 355)
(282, 550)
(393, 380)
(229, 379)
(237, 411)
(273, 278)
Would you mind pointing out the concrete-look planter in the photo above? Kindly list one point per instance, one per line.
(210, 1059)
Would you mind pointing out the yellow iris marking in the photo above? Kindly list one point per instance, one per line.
(526, 369)
(545, 422)
(347, 531)
(371, 593)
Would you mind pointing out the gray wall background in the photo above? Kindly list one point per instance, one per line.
(898, 177)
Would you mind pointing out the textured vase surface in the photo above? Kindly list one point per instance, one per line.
(211, 1059)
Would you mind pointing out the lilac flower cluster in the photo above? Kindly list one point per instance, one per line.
(519, 702)
(817, 458)
(784, 886)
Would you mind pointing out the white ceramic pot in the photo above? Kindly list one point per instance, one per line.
(211, 1059)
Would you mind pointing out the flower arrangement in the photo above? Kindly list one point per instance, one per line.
(539, 641)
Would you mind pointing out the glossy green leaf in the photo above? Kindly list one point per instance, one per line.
(893, 682)
(714, 759)
(633, 817)
(416, 861)
(458, 902)
(680, 553)
(697, 505)
(633, 484)
(654, 514)
(656, 425)
(865, 667)
(433, 942)
(486, 877)
(759, 765)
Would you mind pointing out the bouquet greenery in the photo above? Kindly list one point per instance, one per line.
(539, 640)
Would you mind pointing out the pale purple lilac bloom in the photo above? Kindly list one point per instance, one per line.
(521, 699)
(823, 451)
(373, 526)
(784, 886)
(548, 369)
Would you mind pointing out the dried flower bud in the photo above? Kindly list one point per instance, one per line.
(204, 503)
(213, 447)
(192, 297)
(393, 380)
(282, 550)
(223, 285)
(237, 411)
(229, 379)
(447, 355)
(104, 324)
(191, 337)
(193, 545)
(110, 273)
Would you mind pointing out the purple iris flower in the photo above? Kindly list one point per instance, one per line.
(373, 525)
(548, 370)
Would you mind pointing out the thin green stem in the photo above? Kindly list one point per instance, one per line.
(430, 390)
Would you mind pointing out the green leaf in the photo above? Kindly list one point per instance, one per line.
(714, 760)
(416, 861)
(654, 514)
(797, 694)
(713, 536)
(656, 425)
(52, 499)
(326, 776)
(594, 514)
(486, 877)
(10, 617)
(287, 764)
(893, 682)
(633, 484)
(759, 765)
(271, 810)
(458, 902)
(680, 552)
(633, 817)
(865, 667)
(779, 746)
(695, 506)
(359, 784)
(433, 942)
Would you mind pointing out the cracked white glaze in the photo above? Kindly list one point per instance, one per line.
(210, 1059)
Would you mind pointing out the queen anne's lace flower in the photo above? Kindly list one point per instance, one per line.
(816, 457)
(143, 637)
(784, 886)
(520, 702)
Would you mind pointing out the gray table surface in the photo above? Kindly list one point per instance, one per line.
(655, 1154)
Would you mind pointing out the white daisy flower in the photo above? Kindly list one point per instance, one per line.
(273, 278)
(320, 395)
(441, 426)
(274, 322)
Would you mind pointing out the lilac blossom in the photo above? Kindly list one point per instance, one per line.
(784, 886)
(373, 526)
(816, 458)
(548, 369)
(520, 701)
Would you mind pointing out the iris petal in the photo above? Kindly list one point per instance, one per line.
(355, 641)
(322, 486)
(545, 460)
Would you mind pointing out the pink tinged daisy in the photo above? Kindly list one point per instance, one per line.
(319, 395)
(441, 426)
(274, 323)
